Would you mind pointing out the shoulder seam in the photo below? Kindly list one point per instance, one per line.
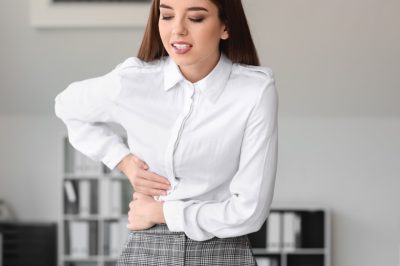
(265, 70)
(134, 62)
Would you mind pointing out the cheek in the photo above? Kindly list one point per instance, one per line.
(163, 32)
(212, 34)
(211, 39)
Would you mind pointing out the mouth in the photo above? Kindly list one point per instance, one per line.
(181, 47)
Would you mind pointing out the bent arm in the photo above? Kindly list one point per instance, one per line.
(86, 107)
(251, 187)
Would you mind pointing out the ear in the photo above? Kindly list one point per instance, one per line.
(225, 34)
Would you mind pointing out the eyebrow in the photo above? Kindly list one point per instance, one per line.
(194, 8)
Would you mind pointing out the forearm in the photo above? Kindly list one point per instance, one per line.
(121, 166)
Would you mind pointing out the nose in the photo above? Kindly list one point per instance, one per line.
(179, 28)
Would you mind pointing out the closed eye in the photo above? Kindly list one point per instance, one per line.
(197, 20)
(166, 17)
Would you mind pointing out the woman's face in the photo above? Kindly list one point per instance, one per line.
(191, 31)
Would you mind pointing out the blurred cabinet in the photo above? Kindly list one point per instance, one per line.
(294, 236)
(28, 244)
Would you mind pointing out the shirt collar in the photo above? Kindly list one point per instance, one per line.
(210, 86)
(172, 74)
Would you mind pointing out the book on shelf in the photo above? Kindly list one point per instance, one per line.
(267, 261)
(274, 231)
(291, 230)
(116, 198)
(71, 201)
(115, 238)
(93, 238)
(84, 197)
(94, 197)
(111, 197)
(82, 239)
(79, 239)
(105, 192)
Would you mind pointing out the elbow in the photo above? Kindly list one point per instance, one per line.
(60, 108)
(253, 221)
(259, 216)
(57, 106)
(258, 223)
(64, 101)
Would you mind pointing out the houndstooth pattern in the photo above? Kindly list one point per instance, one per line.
(158, 246)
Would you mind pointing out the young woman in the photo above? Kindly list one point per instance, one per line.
(201, 121)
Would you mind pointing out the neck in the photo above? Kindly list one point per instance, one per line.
(200, 70)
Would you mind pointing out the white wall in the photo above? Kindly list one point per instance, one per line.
(336, 64)
(31, 165)
(352, 166)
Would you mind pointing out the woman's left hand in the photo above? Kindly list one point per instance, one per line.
(144, 212)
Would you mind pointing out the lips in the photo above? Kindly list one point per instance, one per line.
(181, 47)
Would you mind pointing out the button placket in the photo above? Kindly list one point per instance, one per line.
(179, 126)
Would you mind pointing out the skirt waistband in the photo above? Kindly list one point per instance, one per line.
(158, 229)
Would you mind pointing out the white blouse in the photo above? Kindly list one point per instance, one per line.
(215, 140)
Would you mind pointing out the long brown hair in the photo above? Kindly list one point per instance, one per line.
(239, 47)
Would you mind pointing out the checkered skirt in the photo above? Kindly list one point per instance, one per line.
(157, 246)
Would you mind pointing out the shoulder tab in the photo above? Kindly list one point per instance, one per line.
(259, 69)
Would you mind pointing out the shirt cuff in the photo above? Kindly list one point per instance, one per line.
(173, 214)
(115, 156)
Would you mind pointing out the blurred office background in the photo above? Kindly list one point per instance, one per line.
(337, 68)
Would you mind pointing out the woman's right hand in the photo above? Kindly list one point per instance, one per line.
(142, 180)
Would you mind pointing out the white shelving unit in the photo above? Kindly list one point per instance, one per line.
(313, 238)
(89, 233)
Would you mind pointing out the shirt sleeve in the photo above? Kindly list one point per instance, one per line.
(251, 188)
(86, 108)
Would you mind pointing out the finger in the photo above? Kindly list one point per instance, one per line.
(152, 176)
(152, 192)
(141, 182)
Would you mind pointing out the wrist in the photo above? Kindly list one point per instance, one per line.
(122, 163)
(157, 214)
